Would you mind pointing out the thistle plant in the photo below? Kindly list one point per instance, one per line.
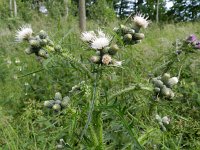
(105, 50)
(163, 85)
(163, 122)
(58, 103)
(40, 44)
(131, 34)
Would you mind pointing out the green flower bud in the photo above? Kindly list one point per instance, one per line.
(131, 31)
(49, 103)
(113, 49)
(128, 37)
(34, 43)
(43, 42)
(124, 28)
(158, 83)
(58, 96)
(56, 107)
(172, 81)
(105, 50)
(165, 77)
(138, 36)
(58, 102)
(42, 53)
(65, 101)
(50, 42)
(29, 50)
(58, 48)
(157, 90)
(43, 34)
(166, 91)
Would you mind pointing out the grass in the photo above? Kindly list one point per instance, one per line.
(124, 113)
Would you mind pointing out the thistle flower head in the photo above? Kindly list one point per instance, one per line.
(197, 45)
(100, 42)
(100, 33)
(106, 59)
(88, 36)
(141, 21)
(191, 38)
(23, 33)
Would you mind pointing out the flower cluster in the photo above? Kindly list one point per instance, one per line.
(58, 103)
(40, 44)
(163, 122)
(163, 85)
(131, 35)
(101, 43)
(189, 45)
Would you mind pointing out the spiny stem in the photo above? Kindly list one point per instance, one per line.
(72, 59)
(126, 90)
(91, 109)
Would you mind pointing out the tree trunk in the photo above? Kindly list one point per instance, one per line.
(157, 11)
(11, 8)
(82, 15)
(15, 8)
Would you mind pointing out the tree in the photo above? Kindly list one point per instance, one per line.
(82, 15)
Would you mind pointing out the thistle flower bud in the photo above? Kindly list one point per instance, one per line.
(58, 102)
(138, 36)
(128, 37)
(65, 101)
(49, 103)
(50, 42)
(124, 28)
(166, 120)
(157, 90)
(29, 51)
(113, 49)
(165, 77)
(131, 31)
(166, 91)
(56, 107)
(95, 59)
(158, 118)
(34, 43)
(58, 96)
(43, 42)
(172, 81)
(42, 53)
(57, 48)
(43, 34)
(157, 83)
(106, 59)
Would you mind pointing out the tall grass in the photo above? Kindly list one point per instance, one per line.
(124, 114)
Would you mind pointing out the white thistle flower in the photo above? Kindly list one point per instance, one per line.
(100, 33)
(88, 36)
(141, 21)
(24, 33)
(100, 42)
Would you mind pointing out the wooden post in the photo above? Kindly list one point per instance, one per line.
(82, 15)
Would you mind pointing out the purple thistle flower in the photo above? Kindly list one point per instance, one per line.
(197, 45)
(192, 38)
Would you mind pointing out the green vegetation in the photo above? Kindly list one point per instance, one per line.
(109, 107)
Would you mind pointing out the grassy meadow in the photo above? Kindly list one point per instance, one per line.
(123, 113)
